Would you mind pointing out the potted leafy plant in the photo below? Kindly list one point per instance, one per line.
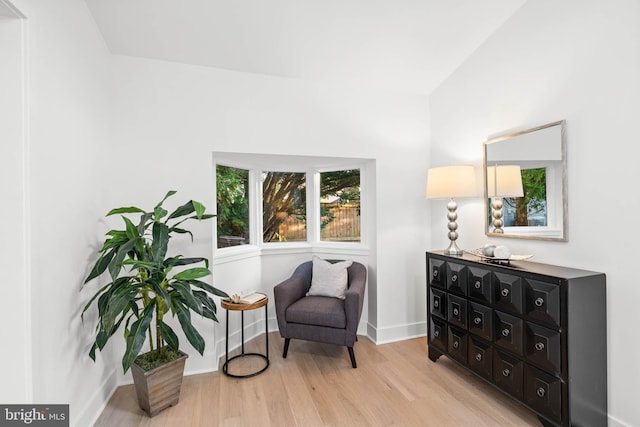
(144, 286)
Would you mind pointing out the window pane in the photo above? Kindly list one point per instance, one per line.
(284, 207)
(340, 206)
(232, 198)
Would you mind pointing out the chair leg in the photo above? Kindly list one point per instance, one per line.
(286, 348)
(352, 357)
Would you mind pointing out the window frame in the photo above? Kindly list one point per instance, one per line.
(312, 166)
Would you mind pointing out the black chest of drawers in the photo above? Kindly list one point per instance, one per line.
(535, 331)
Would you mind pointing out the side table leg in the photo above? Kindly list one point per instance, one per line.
(266, 329)
(242, 329)
(226, 343)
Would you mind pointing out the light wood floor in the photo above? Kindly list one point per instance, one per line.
(394, 384)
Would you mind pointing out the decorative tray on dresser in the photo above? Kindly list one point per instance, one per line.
(537, 332)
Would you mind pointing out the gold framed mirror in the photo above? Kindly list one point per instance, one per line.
(535, 207)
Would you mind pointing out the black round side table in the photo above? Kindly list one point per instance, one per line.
(231, 306)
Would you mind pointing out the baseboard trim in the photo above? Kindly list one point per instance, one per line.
(396, 333)
(97, 403)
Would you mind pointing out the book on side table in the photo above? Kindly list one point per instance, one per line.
(251, 297)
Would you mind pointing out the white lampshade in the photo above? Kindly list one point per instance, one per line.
(506, 183)
(449, 182)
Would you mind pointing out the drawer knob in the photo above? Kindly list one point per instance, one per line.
(456, 344)
(477, 284)
(539, 346)
(505, 332)
(477, 320)
(435, 273)
(506, 372)
(454, 278)
(541, 392)
(436, 333)
(436, 303)
(455, 311)
(479, 357)
(505, 292)
(539, 302)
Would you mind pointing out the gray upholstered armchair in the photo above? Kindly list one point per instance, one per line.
(320, 318)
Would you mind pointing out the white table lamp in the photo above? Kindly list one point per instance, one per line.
(449, 182)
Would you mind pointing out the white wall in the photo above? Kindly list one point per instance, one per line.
(66, 142)
(578, 61)
(16, 366)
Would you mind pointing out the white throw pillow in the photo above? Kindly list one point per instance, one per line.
(329, 280)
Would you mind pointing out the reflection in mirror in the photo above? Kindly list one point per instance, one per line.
(539, 211)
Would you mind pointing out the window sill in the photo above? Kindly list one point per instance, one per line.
(237, 253)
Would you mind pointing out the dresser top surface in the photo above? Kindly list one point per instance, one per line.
(519, 266)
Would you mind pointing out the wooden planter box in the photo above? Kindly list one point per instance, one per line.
(159, 388)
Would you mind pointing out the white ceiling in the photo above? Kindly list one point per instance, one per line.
(408, 45)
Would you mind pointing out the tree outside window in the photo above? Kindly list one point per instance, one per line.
(340, 206)
(284, 207)
(232, 198)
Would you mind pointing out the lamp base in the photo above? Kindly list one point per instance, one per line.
(452, 215)
(453, 249)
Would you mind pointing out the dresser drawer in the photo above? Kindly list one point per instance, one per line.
(479, 285)
(481, 320)
(437, 273)
(457, 278)
(438, 303)
(508, 332)
(480, 357)
(507, 373)
(457, 311)
(457, 347)
(438, 334)
(543, 392)
(508, 293)
(543, 348)
(543, 302)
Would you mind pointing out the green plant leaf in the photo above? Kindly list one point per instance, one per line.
(207, 287)
(181, 231)
(143, 224)
(192, 273)
(178, 260)
(116, 264)
(92, 352)
(136, 337)
(160, 292)
(130, 209)
(160, 241)
(199, 208)
(101, 339)
(159, 213)
(117, 238)
(183, 210)
(166, 196)
(132, 230)
(100, 265)
(209, 314)
(190, 300)
(184, 317)
(208, 305)
(119, 299)
(96, 295)
(136, 264)
(169, 336)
